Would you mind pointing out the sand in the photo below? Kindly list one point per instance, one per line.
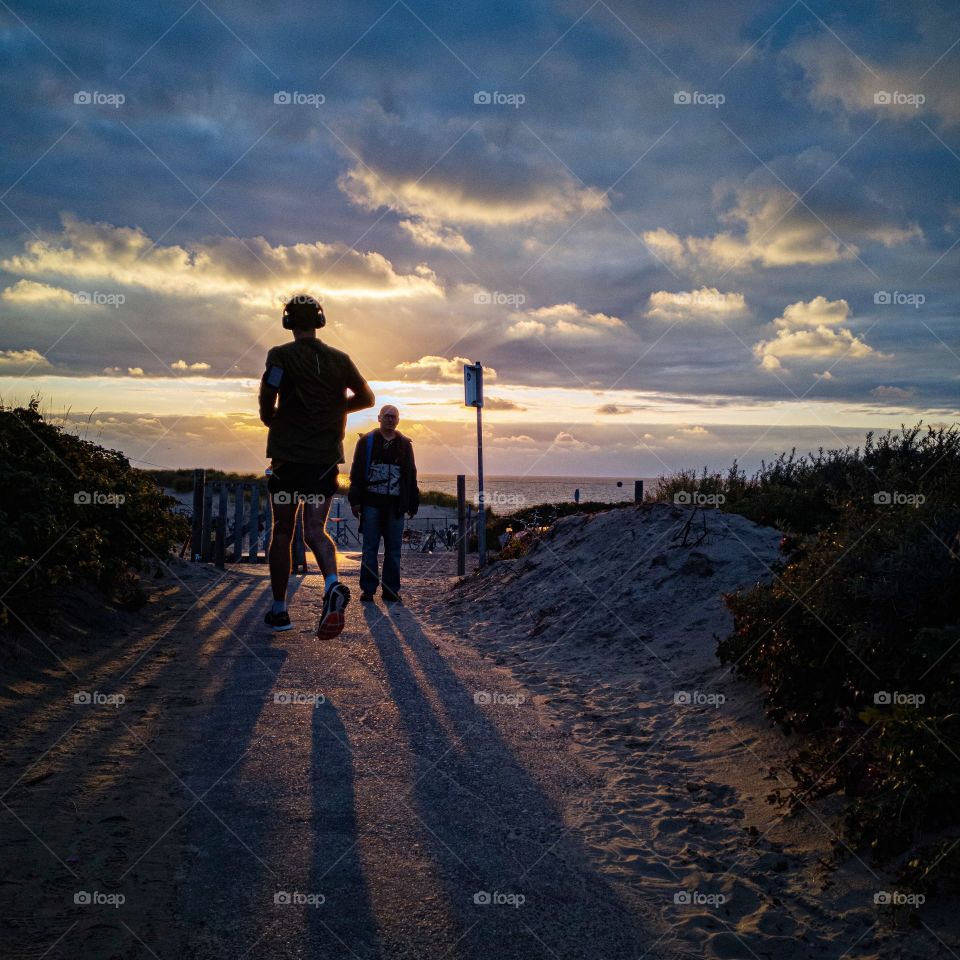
(516, 736)
(611, 623)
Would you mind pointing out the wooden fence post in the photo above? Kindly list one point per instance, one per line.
(196, 532)
(254, 521)
(238, 490)
(638, 491)
(461, 525)
(221, 544)
(206, 548)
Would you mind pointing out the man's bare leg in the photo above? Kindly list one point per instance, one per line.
(281, 540)
(316, 536)
(336, 595)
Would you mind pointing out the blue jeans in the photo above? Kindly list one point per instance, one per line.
(381, 522)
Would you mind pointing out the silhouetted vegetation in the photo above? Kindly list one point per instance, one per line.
(73, 514)
(856, 639)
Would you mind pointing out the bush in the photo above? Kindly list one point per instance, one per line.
(52, 539)
(181, 480)
(802, 495)
(857, 639)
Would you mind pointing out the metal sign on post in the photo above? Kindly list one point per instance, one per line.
(473, 397)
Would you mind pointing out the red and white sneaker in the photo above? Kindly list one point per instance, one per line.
(332, 619)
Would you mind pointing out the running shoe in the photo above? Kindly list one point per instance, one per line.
(279, 621)
(332, 619)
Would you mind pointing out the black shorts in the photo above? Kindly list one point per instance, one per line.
(303, 480)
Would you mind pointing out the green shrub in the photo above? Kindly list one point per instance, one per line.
(804, 494)
(51, 538)
(434, 498)
(856, 640)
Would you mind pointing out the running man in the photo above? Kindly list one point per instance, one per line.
(305, 443)
(383, 487)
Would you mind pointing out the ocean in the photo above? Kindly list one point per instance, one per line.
(503, 493)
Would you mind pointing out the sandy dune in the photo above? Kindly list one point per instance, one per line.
(611, 623)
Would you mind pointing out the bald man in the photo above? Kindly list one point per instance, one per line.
(383, 488)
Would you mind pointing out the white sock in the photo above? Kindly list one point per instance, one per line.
(279, 606)
(328, 581)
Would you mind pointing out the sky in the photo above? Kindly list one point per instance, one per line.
(675, 236)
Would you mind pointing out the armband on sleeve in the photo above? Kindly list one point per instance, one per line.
(274, 376)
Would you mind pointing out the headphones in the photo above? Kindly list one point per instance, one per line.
(302, 305)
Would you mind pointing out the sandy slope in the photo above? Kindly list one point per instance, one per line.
(612, 622)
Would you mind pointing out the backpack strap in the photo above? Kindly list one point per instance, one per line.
(366, 474)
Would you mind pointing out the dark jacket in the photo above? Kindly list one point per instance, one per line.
(409, 499)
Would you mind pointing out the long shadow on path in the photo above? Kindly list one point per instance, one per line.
(343, 925)
(495, 835)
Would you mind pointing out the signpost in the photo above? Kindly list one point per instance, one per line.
(473, 397)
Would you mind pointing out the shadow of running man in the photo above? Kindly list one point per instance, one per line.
(517, 883)
(343, 924)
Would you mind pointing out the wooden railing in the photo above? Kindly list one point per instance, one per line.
(231, 523)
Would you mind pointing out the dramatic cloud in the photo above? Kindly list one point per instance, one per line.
(892, 393)
(500, 403)
(197, 367)
(454, 173)
(251, 269)
(517, 440)
(29, 293)
(825, 218)
(439, 370)
(818, 312)
(438, 228)
(563, 320)
(810, 331)
(23, 361)
(427, 233)
(905, 91)
(565, 440)
(707, 303)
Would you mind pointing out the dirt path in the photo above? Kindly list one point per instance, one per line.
(390, 794)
